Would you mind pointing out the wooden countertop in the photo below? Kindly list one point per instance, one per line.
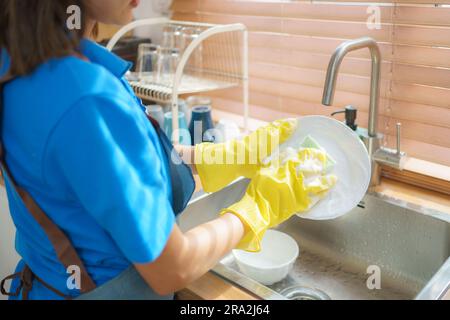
(414, 195)
(212, 287)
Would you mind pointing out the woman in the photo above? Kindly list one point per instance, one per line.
(89, 179)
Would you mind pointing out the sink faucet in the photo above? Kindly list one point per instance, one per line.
(372, 140)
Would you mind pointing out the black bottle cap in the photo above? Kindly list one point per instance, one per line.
(350, 116)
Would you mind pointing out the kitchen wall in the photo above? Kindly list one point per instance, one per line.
(291, 43)
(8, 256)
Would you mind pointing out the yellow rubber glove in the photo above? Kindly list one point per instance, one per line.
(277, 192)
(220, 164)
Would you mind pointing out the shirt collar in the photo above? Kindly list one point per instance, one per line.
(100, 55)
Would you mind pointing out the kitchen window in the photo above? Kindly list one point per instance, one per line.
(290, 46)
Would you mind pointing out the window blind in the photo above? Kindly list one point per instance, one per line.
(291, 43)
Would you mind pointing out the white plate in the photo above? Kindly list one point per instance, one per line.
(352, 167)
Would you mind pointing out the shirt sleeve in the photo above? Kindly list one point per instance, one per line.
(111, 158)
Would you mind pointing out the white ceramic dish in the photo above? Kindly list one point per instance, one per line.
(273, 263)
(352, 167)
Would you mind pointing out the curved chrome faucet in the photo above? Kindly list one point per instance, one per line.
(333, 69)
(378, 154)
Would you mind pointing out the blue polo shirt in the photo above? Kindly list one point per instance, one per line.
(77, 140)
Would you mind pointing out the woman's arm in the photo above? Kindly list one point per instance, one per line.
(188, 256)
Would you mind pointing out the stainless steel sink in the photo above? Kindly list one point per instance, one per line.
(409, 245)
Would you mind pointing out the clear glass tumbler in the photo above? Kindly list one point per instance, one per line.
(147, 63)
(173, 37)
(195, 63)
(179, 40)
(167, 65)
(169, 36)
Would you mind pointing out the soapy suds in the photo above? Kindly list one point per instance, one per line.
(311, 168)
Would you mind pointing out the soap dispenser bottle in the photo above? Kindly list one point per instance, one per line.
(350, 116)
(350, 119)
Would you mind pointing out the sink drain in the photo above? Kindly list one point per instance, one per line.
(304, 293)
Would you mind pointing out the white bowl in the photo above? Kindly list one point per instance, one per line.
(273, 263)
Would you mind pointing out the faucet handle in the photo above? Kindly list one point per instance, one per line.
(392, 157)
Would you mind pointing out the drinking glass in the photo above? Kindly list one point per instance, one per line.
(195, 63)
(169, 36)
(184, 137)
(173, 37)
(147, 63)
(167, 65)
(179, 40)
(194, 101)
(201, 125)
(156, 112)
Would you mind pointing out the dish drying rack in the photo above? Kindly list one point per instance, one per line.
(224, 53)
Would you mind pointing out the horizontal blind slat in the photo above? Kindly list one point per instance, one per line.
(429, 15)
(414, 148)
(413, 128)
(405, 34)
(289, 61)
(410, 54)
(292, 83)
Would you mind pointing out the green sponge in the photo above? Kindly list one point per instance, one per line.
(309, 142)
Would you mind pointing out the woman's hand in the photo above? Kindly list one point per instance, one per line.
(220, 164)
(281, 190)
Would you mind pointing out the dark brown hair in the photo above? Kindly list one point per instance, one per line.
(33, 31)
